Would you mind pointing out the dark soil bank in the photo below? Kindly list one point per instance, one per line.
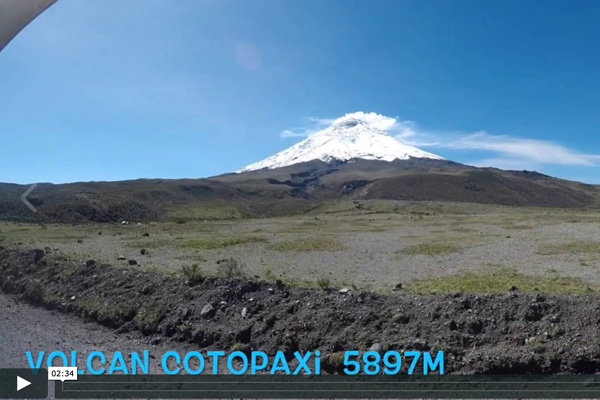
(512, 333)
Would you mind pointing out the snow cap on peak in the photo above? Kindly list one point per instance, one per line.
(347, 122)
(357, 135)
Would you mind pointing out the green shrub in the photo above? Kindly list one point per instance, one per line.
(193, 273)
(147, 320)
(323, 283)
(231, 268)
(270, 275)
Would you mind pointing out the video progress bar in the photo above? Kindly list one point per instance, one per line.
(265, 386)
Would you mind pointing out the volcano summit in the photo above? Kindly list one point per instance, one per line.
(346, 139)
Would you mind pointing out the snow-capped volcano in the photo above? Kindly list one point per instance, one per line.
(346, 139)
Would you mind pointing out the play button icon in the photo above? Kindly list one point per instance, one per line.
(22, 383)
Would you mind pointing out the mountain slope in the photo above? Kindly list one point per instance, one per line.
(290, 190)
(347, 139)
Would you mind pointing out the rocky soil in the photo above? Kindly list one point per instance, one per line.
(510, 333)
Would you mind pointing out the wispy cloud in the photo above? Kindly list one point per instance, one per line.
(508, 152)
(539, 151)
(315, 125)
(288, 133)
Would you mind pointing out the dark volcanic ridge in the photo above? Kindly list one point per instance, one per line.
(514, 333)
(292, 190)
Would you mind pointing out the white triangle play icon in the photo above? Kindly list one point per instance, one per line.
(22, 383)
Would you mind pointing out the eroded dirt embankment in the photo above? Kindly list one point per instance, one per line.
(512, 333)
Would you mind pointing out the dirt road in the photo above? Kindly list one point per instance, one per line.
(27, 328)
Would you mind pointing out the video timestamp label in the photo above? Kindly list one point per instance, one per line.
(62, 374)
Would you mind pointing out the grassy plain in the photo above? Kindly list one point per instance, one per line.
(427, 247)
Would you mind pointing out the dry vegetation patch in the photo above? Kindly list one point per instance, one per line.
(429, 249)
(576, 247)
(500, 280)
(217, 243)
(308, 245)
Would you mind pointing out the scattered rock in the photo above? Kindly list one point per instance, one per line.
(535, 312)
(270, 320)
(475, 327)
(244, 335)
(554, 318)
(143, 252)
(156, 341)
(420, 345)
(208, 311)
(466, 304)
(89, 263)
(38, 255)
(401, 319)
(244, 312)
(146, 234)
(376, 347)
(132, 262)
(8, 286)
(398, 286)
(344, 290)
(198, 336)
(121, 258)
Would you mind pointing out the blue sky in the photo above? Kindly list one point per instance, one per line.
(112, 89)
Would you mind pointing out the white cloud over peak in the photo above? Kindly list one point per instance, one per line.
(400, 129)
(375, 120)
(507, 151)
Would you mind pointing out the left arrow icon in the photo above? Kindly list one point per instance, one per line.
(24, 197)
(22, 383)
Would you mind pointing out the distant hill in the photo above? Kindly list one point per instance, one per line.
(289, 190)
